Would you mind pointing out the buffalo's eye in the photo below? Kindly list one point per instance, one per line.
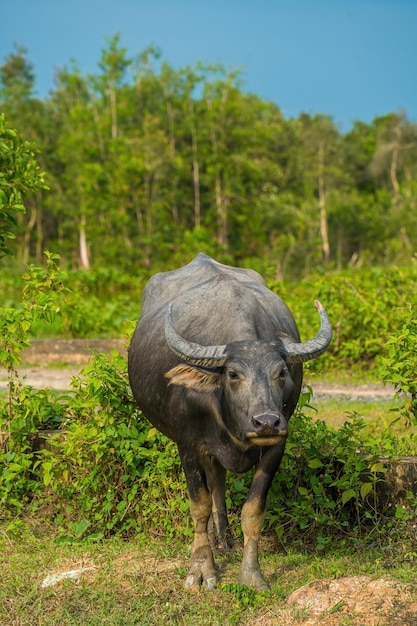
(232, 375)
(282, 375)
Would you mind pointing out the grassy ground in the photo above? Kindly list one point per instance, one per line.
(140, 582)
(378, 415)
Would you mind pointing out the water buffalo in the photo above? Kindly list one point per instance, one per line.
(215, 363)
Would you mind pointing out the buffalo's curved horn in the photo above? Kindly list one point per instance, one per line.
(305, 351)
(193, 353)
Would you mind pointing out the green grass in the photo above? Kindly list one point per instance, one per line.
(140, 582)
(334, 411)
(378, 415)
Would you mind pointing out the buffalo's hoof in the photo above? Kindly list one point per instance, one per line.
(202, 570)
(194, 583)
(211, 583)
(254, 579)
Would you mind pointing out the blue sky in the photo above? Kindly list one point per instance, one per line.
(351, 59)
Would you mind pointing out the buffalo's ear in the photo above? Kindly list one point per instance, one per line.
(194, 378)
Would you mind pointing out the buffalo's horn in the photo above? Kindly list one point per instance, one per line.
(193, 353)
(305, 351)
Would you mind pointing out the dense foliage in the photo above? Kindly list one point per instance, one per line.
(148, 164)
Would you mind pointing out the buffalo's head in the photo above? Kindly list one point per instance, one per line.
(254, 377)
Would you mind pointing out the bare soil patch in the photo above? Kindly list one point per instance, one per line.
(353, 600)
(44, 352)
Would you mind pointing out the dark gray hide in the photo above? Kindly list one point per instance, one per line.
(215, 363)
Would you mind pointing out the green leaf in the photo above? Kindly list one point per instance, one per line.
(378, 467)
(348, 495)
(366, 489)
(315, 463)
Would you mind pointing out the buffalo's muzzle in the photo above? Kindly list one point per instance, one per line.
(268, 425)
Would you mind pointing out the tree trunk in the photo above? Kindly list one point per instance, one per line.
(322, 206)
(222, 223)
(171, 125)
(221, 204)
(393, 168)
(27, 237)
(196, 166)
(196, 180)
(172, 151)
(113, 111)
(39, 232)
(84, 258)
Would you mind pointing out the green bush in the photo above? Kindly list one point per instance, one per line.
(327, 484)
(364, 307)
(24, 411)
(110, 471)
(42, 288)
(117, 471)
(399, 367)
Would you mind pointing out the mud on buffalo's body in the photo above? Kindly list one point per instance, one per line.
(215, 363)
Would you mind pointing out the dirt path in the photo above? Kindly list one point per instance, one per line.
(51, 364)
(60, 379)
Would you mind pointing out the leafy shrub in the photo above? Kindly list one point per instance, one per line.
(99, 302)
(399, 367)
(364, 307)
(24, 411)
(113, 472)
(40, 302)
(117, 471)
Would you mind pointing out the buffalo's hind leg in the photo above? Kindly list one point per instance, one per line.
(202, 569)
(220, 534)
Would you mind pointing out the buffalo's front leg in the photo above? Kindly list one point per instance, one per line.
(202, 569)
(253, 514)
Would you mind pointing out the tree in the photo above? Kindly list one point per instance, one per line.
(17, 78)
(19, 176)
(26, 112)
(393, 167)
(158, 163)
(324, 169)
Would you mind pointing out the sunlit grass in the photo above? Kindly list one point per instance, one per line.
(141, 581)
(379, 417)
